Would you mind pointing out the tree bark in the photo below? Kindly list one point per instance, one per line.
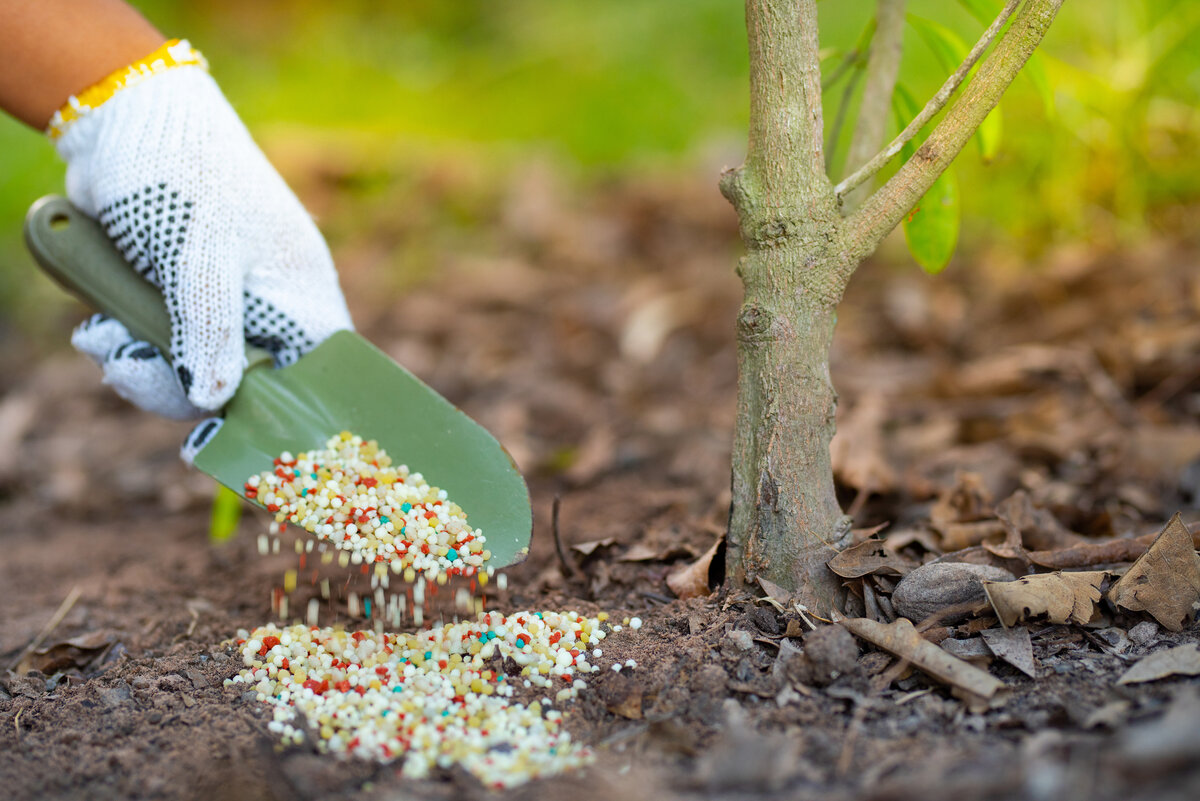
(785, 514)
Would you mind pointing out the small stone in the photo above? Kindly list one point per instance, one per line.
(115, 696)
(831, 652)
(172, 682)
(198, 679)
(1144, 633)
(934, 587)
(737, 641)
(765, 620)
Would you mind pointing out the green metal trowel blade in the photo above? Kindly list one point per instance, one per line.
(347, 384)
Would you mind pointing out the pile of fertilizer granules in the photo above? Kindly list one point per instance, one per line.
(433, 698)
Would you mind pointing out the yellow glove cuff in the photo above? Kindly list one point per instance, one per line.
(174, 53)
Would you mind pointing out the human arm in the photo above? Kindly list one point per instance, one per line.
(51, 49)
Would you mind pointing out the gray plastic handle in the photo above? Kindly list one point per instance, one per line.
(74, 250)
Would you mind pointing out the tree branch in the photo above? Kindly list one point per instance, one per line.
(935, 104)
(883, 66)
(884, 210)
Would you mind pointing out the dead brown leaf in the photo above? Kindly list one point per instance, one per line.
(1038, 528)
(1091, 553)
(1165, 581)
(692, 581)
(967, 503)
(1183, 660)
(1059, 597)
(774, 591)
(857, 450)
(1014, 647)
(590, 547)
(640, 552)
(76, 652)
(957, 536)
(902, 639)
(867, 557)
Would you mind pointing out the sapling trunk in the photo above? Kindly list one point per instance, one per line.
(785, 523)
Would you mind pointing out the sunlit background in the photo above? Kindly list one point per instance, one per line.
(410, 117)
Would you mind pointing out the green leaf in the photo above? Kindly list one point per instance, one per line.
(931, 229)
(989, 134)
(226, 512)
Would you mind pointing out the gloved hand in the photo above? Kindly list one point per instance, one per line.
(172, 175)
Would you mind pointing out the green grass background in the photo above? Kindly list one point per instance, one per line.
(626, 85)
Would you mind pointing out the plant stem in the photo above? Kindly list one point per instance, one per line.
(884, 210)
(935, 104)
(883, 66)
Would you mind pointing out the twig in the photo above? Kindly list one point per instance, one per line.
(568, 571)
(869, 601)
(935, 104)
(860, 500)
(883, 67)
(883, 211)
(63, 610)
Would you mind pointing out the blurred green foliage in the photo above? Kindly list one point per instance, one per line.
(618, 86)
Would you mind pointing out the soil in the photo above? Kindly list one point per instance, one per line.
(591, 330)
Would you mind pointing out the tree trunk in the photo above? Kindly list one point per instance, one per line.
(786, 516)
(785, 523)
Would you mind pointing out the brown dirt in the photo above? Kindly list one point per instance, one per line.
(596, 342)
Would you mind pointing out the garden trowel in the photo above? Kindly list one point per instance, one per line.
(344, 384)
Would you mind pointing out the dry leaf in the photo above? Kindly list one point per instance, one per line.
(1164, 581)
(901, 638)
(77, 652)
(1037, 528)
(969, 501)
(774, 591)
(1183, 660)
(1014, 647)
(956, 536)
(901, 537)
(590, 547)
(641, 552)
(857, 449)
(1060, 597)
(594, 456)
(692, 581)
(1091, 553)
(869, 556)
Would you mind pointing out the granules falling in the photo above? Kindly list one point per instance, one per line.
(433, 698)
(351, 496)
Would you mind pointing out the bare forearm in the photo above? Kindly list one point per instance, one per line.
(52, 49)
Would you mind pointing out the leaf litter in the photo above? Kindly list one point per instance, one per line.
(1107, 467)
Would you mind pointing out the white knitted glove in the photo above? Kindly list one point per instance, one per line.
(172, 175)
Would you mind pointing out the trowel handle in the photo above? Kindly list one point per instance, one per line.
(74, 250)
